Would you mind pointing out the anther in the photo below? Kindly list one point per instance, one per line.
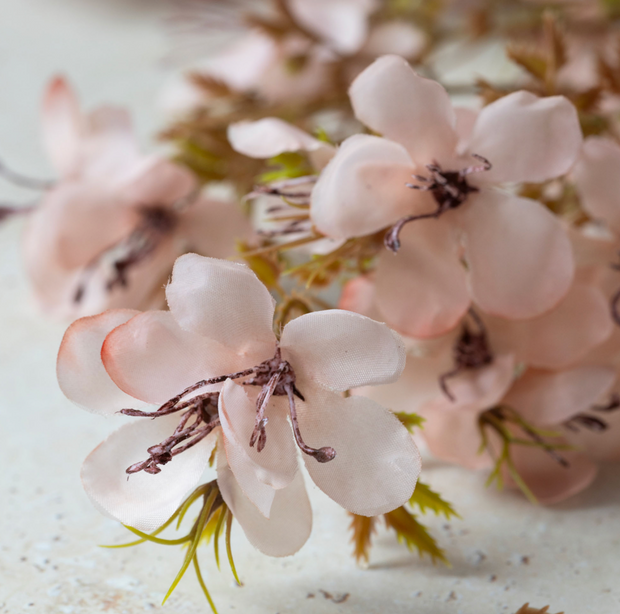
(450, 190)
(471, 351)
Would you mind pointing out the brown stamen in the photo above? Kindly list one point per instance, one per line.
(323, 455)
(594, 423)
(471, 351)
(156, 222)
(450, 190)
(276, 378)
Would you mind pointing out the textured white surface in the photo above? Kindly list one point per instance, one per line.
(504, 552)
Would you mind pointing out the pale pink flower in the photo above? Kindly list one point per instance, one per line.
(107, 233)
(220, 322)
(556, 371)
(518, 258)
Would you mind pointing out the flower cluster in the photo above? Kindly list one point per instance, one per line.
(383, 260)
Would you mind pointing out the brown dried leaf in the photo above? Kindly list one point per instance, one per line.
(525, 609)
(555, 41)
(363, 528)
(529, 59)
(488, 92)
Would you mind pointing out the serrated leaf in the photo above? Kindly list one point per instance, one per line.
(363, 528)
(410, 421)
(529, 59)
(414, 534)
(426, 499)
(525, 609)
(556, 43)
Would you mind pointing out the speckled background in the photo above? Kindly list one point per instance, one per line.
(504, 552)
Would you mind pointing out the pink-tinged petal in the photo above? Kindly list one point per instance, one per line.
(465, 122)
(213, 227)
(418, 384)
(451, 428)
(81, 374)
(143, 501)
(358, 295)
(396, 38)
(597, 178)
(269, 137)
(341, 23)
(153, 359)
(110, 146)
(560, 337)
(363, 188)
(159, 182)
(520, 258)
(377, 463)
(288, 527)
(223, 301)
(550, 398)
(340, 350)
(544, 136)
(393, 100)
(62, 126)
(77, 221)
(421, 291)
(454, 436)
(259, 474)
(549, 481)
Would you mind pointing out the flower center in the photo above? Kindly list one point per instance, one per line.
(450, 190)
(471, 351)
(200, 414)
(156, 221)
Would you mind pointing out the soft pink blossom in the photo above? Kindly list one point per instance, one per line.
(220, 322)
(518, 258)
(113, 207)
(555, 371)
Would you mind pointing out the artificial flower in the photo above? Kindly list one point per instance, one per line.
(221, 378)
(107, 233)
(552, 373)
(458, 238)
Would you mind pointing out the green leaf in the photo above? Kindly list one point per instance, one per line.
(427, 499)
(410, 421)
(414, 535)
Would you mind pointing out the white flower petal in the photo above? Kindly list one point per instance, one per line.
(259, 474)
(377, 463)
(143, 501)
(289, 525)
(392, 99)
(543, 134)
(223, 301)
(341, 350)
(363, 188)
